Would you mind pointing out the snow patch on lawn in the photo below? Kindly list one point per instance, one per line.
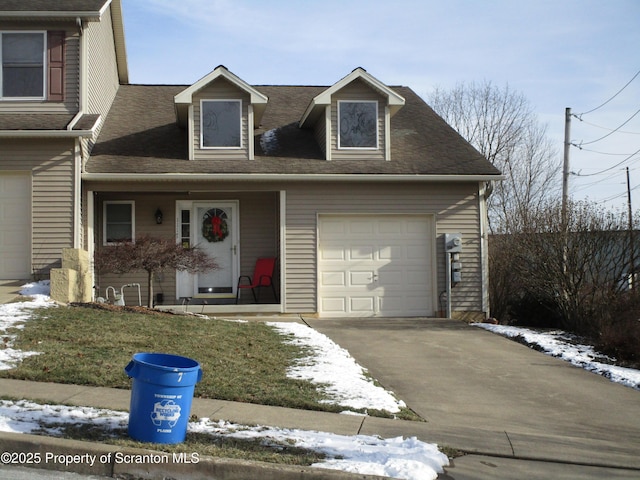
(409, 459)
(14, 315)
(332, 367)
(563, 345)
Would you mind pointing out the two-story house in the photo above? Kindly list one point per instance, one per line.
(62, 64)
(352, 186)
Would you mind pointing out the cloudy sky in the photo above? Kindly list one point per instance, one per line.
(557, 53)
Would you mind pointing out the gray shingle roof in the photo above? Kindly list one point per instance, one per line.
(140, 135)
(61, 6)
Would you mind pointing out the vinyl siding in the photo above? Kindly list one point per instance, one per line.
(102, 70)
(258, 231)
(221, 89)
(455, 208)
(51, 167)
(358, 90)
(71, 71)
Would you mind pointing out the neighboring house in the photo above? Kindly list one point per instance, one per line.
(62, 63)
(351, 186)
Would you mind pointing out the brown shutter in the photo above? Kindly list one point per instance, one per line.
(55, 58)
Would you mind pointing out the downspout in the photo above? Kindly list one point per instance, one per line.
(81, 93)
(78, 156)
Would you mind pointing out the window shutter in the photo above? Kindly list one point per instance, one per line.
(55, 60)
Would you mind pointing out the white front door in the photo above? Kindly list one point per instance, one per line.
(213, 227)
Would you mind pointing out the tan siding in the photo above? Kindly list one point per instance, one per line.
(455, 207)
(258, 231)
(51, 165)
(304, 202)
(358, 90)
(221, 89)
(102, 71)
(320, 134)
(70, 103)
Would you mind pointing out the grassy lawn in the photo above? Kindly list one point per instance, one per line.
(241, 361)
(244, 362)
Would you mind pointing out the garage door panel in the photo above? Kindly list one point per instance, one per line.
(333, 279)
(361, 305)
(387, 265)
(334, 305)
(360, 278)
(364, 252)
(333, 252)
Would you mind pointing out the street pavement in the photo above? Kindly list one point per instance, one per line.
(515, 412)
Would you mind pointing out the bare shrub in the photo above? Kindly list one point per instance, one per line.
(152, 255)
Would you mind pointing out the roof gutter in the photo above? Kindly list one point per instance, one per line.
(57, 14)
(261, 177)
(45, 133)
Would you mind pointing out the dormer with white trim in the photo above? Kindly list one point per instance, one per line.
(352, 118)
(220, 112)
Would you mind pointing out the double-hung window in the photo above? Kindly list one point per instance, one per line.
(119, 222)
(23, 57)
(221, 123)
(357, 124)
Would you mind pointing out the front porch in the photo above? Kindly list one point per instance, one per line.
(235, 228)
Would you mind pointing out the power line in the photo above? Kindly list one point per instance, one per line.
(601, 153)
(617, 93)
(611, 168)
(612, 131)
(604, 128)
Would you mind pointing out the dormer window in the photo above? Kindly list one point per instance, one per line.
(357, 124)
(23, 65)
(221, 122)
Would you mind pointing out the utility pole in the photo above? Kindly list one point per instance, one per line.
(565, 168)
(565, 188)
(632, 269)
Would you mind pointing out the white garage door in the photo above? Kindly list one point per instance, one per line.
(15, 226)
(375, 266)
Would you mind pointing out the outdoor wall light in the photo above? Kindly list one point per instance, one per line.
(159, 216)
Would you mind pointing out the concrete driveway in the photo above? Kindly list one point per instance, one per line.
(476, 388)
(9, 289)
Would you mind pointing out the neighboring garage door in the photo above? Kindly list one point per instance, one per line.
(15, 226)
(375, 265)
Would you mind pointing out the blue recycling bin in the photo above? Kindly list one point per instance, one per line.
(161, 396)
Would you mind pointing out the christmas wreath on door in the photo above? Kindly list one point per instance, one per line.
(214, 225)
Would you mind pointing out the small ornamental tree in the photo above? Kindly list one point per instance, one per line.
(152, 255)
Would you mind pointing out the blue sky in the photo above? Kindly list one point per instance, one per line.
(558, 53)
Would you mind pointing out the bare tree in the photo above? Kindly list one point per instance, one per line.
(502, 126)
(575, 274)
(152, 255)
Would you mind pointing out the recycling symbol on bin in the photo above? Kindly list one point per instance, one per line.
(165, 411)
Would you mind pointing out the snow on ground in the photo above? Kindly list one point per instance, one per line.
(13, 315)
(565, 346)
(398, 457)
(409, 459)
(343, 379)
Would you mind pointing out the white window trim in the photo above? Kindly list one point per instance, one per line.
(104, 219)
(340, 147)
(44, 67)
(202, 146)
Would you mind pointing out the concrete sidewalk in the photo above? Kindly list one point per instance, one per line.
(10, 289)
(495, 452)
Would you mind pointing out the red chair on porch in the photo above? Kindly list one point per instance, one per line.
(262, 277)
